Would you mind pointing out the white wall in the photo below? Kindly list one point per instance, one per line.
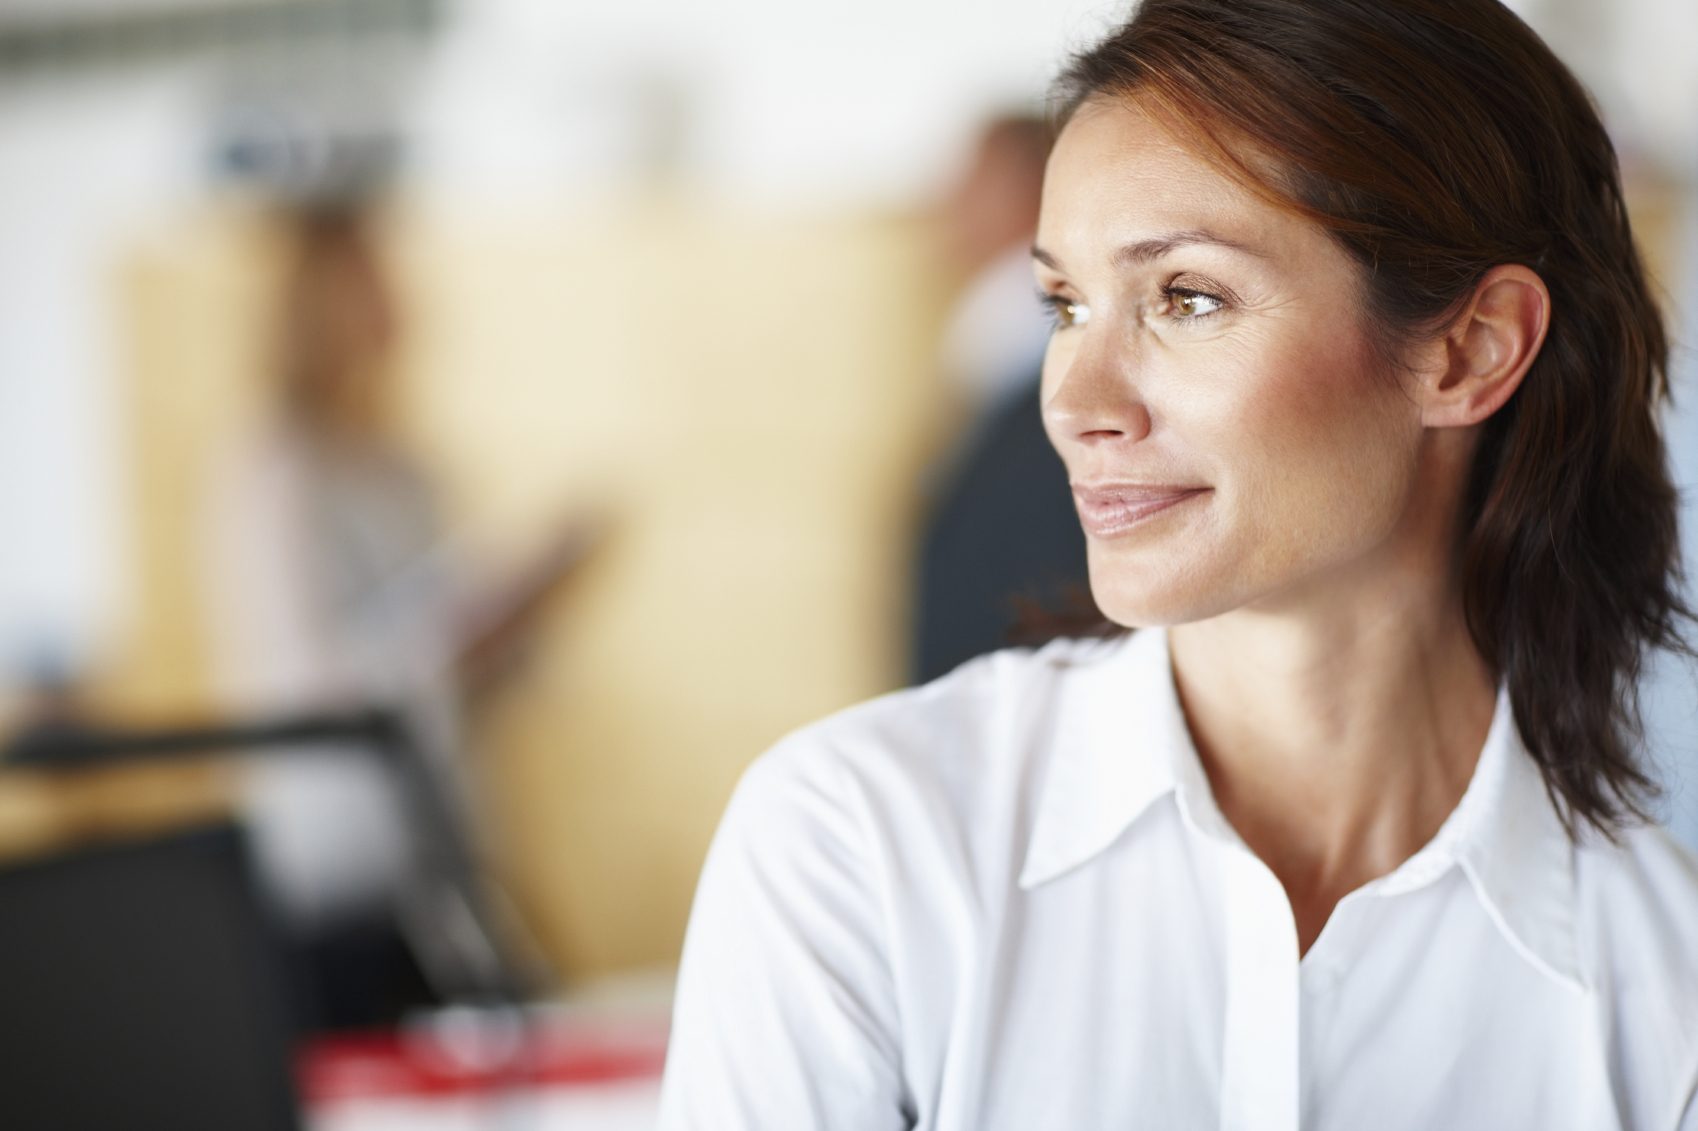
(79, 167)
(804, 104)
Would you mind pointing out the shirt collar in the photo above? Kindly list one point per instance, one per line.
(1506, 836)
(1121, 743)
(1117, 721)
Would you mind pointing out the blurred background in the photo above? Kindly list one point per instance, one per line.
(442, 442)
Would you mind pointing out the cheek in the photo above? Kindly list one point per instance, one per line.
(1311, 450)
(1318, 451)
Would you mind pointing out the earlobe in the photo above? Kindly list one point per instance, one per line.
(1488, 349)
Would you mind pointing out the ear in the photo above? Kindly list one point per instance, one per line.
(1488, 349)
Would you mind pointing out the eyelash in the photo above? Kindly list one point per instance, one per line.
(1062, 317)
(1059, 307)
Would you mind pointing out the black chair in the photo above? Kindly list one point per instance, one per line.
(142, 985)
(139, 989)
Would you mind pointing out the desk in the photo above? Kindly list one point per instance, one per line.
(469, 1070)
(44, 811)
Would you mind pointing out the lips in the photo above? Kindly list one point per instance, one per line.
(1113, 508)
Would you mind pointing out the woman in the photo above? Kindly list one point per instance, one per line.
(1354, 376)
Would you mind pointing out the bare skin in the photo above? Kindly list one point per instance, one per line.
(1253, 474)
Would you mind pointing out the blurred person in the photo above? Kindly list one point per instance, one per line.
(1000, 529)
(995, 337)
(1341, 823)
(327, 593)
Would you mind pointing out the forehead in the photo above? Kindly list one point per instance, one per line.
(1118, 175)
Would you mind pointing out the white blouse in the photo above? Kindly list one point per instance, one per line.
(1007, 901)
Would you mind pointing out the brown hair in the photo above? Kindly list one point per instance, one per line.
(1436, 139)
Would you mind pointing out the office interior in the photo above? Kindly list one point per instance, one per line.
(647, 311)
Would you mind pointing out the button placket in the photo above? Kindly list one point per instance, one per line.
(1322, 970)
(1259, 1068)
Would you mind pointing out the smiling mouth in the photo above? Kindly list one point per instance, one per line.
(1115, 508)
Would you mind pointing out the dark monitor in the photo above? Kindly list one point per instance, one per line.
(140, 989)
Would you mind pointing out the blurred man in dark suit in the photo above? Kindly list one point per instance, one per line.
(1001, 531)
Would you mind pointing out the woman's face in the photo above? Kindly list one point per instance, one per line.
(1230, 437)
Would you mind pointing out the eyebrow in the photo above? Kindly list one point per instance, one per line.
(1143, 251)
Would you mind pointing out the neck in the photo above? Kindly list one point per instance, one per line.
(1338, 732)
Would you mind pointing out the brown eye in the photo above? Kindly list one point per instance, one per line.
(1189, 304)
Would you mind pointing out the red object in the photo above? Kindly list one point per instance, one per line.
(460, 1054)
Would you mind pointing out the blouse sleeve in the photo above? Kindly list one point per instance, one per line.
(785, 1018)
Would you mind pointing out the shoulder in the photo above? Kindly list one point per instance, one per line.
(992, 709)
(1641, 895)
(957, 752)
(1639, 909)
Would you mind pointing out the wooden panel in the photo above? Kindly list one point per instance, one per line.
(749, 406)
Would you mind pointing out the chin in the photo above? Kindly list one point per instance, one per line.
(1153, 594)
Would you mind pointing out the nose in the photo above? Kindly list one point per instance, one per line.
(1094, 398)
